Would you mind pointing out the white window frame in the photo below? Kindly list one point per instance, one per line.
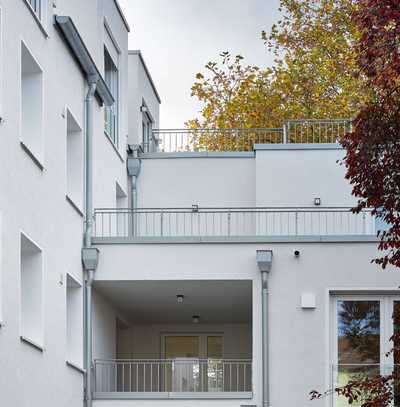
(386, 303)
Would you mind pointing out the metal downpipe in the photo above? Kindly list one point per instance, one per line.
(87, 242)
(265, 340)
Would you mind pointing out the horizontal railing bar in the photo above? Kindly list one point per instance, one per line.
(190, 360)
(238, 208)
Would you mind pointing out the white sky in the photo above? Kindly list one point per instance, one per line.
(178, 37)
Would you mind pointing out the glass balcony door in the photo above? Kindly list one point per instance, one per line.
(362, 329)
(195, 363)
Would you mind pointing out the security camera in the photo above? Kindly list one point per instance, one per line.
(297, 253)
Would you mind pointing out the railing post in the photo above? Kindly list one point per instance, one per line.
(285, 132)
(364, 222)
(296, 224)
(229, 223)
(162, 224)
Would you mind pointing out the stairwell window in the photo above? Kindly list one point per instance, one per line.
(31, 105)
(111, 113)
(31, 268)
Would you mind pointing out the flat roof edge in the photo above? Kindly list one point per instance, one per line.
(299, 146)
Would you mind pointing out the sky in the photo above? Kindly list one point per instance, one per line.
(178, 37)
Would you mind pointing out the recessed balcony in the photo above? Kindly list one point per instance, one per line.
(231, 224)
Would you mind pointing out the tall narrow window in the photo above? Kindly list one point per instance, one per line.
(111, 113)
(31, 291)
(74, 321)
(31, 103)
(36, 7)
(74, 161)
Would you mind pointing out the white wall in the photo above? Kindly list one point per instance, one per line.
(294, 177)
(34, 200)
(145, 340)
(299, 339)
(181, 182)
(140, 90)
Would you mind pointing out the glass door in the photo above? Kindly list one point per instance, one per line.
(363, 327)
(193, 363)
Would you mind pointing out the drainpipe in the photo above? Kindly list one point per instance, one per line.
(133, 167)
(90, 255)
(264, 262)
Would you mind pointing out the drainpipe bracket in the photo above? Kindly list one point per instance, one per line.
(90, 258)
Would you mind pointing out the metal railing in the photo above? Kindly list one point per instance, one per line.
(231, 222)
(173, 375)
(204, 140)
(342, 374)
(228, 140)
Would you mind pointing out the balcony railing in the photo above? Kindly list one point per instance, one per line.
(231, 222)
(241, 140)
(169, 378)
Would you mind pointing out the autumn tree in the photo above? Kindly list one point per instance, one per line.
(313, 75)
(373, 168)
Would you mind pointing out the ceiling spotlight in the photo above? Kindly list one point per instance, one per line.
(180, 298)
(195, 319)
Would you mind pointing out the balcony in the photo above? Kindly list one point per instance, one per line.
(242, 140)
(231, 224)
(178, 378)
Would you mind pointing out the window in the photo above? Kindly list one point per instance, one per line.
(31, 103)
(36, 7)
(31, 291)
(362, 329)
(111, 113)
(74, 321)
(147, 125)
(74, 161)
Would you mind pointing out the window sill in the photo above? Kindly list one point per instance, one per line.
(32, 156)
(75, 366)
(32, 343)
(37, 19)
(74, 205)
(114, 147)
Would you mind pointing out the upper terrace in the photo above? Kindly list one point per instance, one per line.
(242, 140)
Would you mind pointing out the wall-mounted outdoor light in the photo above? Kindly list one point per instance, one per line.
(195, 319)
(180, 298)
(317, 201)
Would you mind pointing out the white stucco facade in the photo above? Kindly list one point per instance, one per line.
(209, 214)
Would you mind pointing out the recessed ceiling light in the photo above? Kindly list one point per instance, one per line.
(195, 319)
(180, 298)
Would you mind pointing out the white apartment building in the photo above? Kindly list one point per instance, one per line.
(147, 267)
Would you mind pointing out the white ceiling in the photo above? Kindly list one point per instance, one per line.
(155, 301)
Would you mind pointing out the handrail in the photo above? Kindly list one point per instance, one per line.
(232, 222)
(243, 139)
